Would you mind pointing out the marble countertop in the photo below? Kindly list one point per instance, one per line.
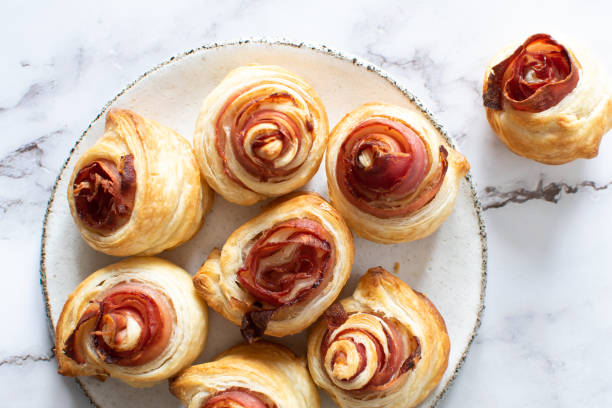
(544, 339)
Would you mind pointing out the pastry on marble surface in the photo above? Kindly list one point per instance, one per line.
(260, 375)
(138, 190)
(138, 320)
(548, 102)
(385, 346)
(281, 270)
(260, 133)
(391, 173)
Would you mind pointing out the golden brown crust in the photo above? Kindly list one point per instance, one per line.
(189, 314)
(265, 368)
(169, 187)
(264, 162)
(216, 281)
(383, 295)
(570, 130)
(426, 218)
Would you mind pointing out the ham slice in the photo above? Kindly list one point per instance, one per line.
(536, 77)
(382, 166)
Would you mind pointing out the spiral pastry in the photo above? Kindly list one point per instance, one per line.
(138, 320)
(548, 102)
(278, 273)
(261, 375)
(385, 346)
(138, 190)
(260, 133)
(391, 173)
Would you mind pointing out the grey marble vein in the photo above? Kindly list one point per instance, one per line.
(545, 298)
(493, 197)
(18, 163)
(26, 358)
(34, 91)
(5, 205)
(420, 64)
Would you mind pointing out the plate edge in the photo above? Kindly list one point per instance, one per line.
(345, 56)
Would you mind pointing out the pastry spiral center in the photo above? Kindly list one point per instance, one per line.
(131, 325)
(121, 331)
(382, 168)
(364, 351)
(265, 131)
(266, 141)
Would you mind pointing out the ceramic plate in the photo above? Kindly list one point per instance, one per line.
(449, 266)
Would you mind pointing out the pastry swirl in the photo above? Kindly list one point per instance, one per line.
(261, 133)
(391, 173)
(280, 271)
(385, 346)
(548, 102)
(138, 320)
(138, 190)
(260, 375)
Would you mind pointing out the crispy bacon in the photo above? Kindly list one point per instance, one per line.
(402, 354)
(383, 162)
(237, 397)
(265, 141)
(335, 316)
(109, 329)
(74, 347)
(288, 263)
(290, 259)
(104, 194)
(536, 77)
(254, 324)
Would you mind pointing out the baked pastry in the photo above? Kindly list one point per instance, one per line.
(391, 173)
(138, 320)
(260, 133)
(280, 271)
(260, 375)
(138, 190)
(548, 102)
(385, 346)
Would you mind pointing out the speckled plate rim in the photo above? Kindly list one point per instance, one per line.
(323, 49)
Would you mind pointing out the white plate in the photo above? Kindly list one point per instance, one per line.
(449, 266)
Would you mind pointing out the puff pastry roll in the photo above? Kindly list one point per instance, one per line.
(138, 320)
(260, 375)
(548, 102)
(391, 173)
(260, 133)
(385, 346)
(281, 270)
(138, 190)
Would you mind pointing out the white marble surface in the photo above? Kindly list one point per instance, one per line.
(545, 335)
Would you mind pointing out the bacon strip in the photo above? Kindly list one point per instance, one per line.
(382, 163)
(289, 260)
(536, 77)
(260, 155)
(289, 263)
(402, 354)
(74, 346)
(124, 305)
(104, 194)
